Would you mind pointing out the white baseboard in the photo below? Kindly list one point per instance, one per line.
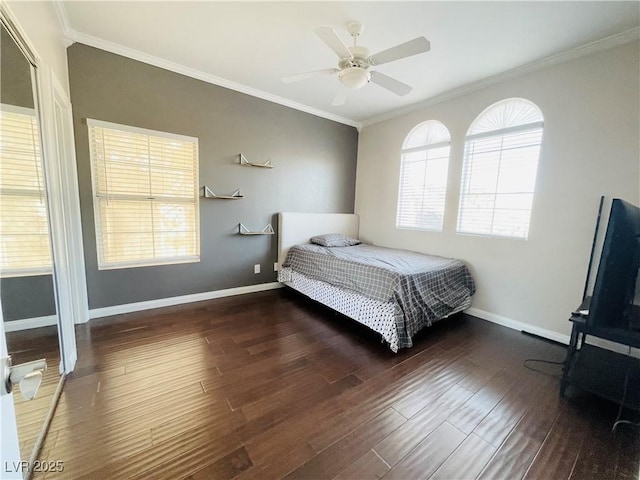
(542, 332)
(49, 320)
(28, 323)
(168, 302)
(516, 325)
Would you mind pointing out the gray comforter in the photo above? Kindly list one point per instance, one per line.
(425, 287)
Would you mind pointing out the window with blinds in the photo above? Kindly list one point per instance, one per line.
(24, 227)
(145, 196)
(424, 165)
(502, 149)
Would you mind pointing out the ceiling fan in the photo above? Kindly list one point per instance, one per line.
(353, 67)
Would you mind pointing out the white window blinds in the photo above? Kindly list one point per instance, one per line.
(145, 188)
(24, 227)
(499, 174)
(423, 177)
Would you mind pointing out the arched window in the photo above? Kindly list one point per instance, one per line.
(423, 177)
(501, 155)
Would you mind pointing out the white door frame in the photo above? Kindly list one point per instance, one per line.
(9, 444)
(64, 212)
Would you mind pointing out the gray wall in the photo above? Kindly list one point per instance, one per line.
(15, 72)
(27, 297)
(315, 170)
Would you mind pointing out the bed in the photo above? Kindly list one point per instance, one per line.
(394, 292)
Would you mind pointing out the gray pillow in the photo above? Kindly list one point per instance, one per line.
(334, 240)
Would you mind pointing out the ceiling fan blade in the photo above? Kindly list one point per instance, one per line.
(341, 96)
(329, 36)
(407, 49)
(305, 75)
(390, 84)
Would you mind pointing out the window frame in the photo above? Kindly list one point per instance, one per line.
(157, 261)
(416, 149)
(499, 134)
(45, 269)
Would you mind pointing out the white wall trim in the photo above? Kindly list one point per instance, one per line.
(517, 325)
(75, 36)
(566, 56)
(60, 210)
(551, 335)
(29, 323)
(63, 122)
(63, 20)
(167, 302)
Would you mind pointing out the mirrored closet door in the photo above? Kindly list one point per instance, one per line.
(27, 282)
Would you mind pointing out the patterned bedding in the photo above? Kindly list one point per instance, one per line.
(426, 288)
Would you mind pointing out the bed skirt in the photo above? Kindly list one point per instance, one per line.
(378, 316)
(381, 317)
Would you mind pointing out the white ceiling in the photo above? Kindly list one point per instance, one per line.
(250, 46)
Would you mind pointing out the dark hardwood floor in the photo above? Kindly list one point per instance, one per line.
(26, 346)
(270, 385)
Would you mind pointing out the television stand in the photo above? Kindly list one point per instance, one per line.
(598, 370)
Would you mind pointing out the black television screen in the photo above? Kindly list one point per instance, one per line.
(615, 284)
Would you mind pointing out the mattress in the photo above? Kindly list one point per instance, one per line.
(425, 288)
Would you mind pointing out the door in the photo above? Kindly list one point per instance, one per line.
(10, 466)
(28, 281)
(56, 297)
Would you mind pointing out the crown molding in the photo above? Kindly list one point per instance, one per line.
(566, 56)
(603, 44)
(63, 20)
(205, 77)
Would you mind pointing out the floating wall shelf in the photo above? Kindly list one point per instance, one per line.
(243, 161)
(268, 230)
(208, 193)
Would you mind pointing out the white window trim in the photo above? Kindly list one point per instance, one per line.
(498, 133)
(147, 263)
(505, 131)
(142, 131)
(423, 148)
(31, 112)
(26, 272)
(96, 208)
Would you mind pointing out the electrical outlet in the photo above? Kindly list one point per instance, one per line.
(256, 268)
(275, 266)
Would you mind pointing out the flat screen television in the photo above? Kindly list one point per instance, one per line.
(615, 284)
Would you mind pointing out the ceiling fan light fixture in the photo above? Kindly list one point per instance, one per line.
(354, 77)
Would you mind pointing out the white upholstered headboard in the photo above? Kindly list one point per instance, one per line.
(297, 228)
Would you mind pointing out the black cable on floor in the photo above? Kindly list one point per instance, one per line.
(552, 375)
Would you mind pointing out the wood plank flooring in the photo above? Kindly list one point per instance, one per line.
(26, 346)
(271, 385)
